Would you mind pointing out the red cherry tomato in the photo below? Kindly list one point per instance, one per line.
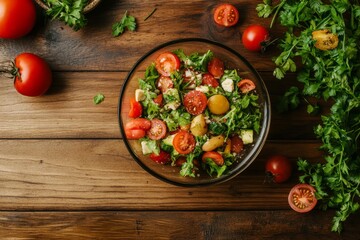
(226, 15)
(302, 198)
(195, 102)
(157, 130)
(17, 18)
(135, 109)
(184, 142)
(278, 168)
(246, 85)
(159, 100)
(134, 133)
(214, 156)
(138, 123)
(216, 67)
(162, 158)
(166, 63)
(34, 75)
(210, 80)
(254, 36)
(237, 144)
(164, 83)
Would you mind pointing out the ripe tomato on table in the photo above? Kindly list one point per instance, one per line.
(254, 37)
(33, 75)
(166, 63)
(17, 18)
(226, 15)
(278, 168)
(302, 198)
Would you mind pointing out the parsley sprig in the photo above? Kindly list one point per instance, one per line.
(126, 22)
(71, 12)
(331, 75)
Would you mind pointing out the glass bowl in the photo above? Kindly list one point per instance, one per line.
(232, 60)
(90, 6)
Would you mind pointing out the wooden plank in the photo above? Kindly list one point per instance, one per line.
(68, 111)
(94, 48)
(174, 225)
(100, 174)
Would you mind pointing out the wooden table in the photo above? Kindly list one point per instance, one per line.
(66, 174)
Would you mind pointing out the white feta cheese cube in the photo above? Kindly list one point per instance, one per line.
(202, 88)
(228, 85)
(139, 95)
(145, 148)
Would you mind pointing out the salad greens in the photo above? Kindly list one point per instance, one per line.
(330, 72)
(244, 113)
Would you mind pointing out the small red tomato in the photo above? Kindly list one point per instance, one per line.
(166, 63)
(184, 142)
(226, 15)
(162, 158)
(17, 18)
(214, 156)
(132, 134)
(33, 75)
(157, 130)
(278, 169)
(254, 36)
(195, 102)
(210, 80)
(135, 108)
(159, 100)
(246, 85)
(138, 123)
(164, 83)
(302, 198)
(216, 67)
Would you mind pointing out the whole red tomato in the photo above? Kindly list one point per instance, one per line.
(33, 75)
(254, 37)
(278, 168)
(17, 18)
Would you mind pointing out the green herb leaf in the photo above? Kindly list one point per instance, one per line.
(99, 98)
(126, 22)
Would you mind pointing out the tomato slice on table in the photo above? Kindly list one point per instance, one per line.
(184, 142)
(162, 158)
(226, 15)
(210, 80)
(302, 198)
(135, 108)
(166, 63)
(216, 67)
(246, 85)
(214, 156)
(195, 102)
(157, 130)
(164, 83)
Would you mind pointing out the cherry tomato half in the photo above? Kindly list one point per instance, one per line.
(278, 169)
(162, 158)
(215, 156)
(254, 36)
(17, 18)
(226, 15)
(166, 63)
(246, 85)
(195, 102)
(302, 198)
(34, 75)
(134, 133)
(138, 123)
(216, 67)
(135, 108)
(159, 100)
(157, 130)
(164, 83)
(184, 142)
(210, 80)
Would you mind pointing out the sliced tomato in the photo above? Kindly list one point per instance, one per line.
(157, 130)
(164, 83)
(134, 133)
(216, 67)
(237, 144)
(162, 158)
(246, 85)
(166, 63)
(138, 123)
(159, 100)
(184, 142)
(210, 80)
(302, 198)
(214, 156)
(226, 15)
(195, 102)
(135, 108)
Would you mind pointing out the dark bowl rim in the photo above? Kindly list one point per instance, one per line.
(254, 151)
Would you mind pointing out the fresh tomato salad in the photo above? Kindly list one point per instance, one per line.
(193, 113)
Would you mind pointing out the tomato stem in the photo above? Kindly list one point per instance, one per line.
(8, 69)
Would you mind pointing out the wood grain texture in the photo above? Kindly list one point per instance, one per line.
(176, 225)
(94, 48)
(101, 174)
(68, 111)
